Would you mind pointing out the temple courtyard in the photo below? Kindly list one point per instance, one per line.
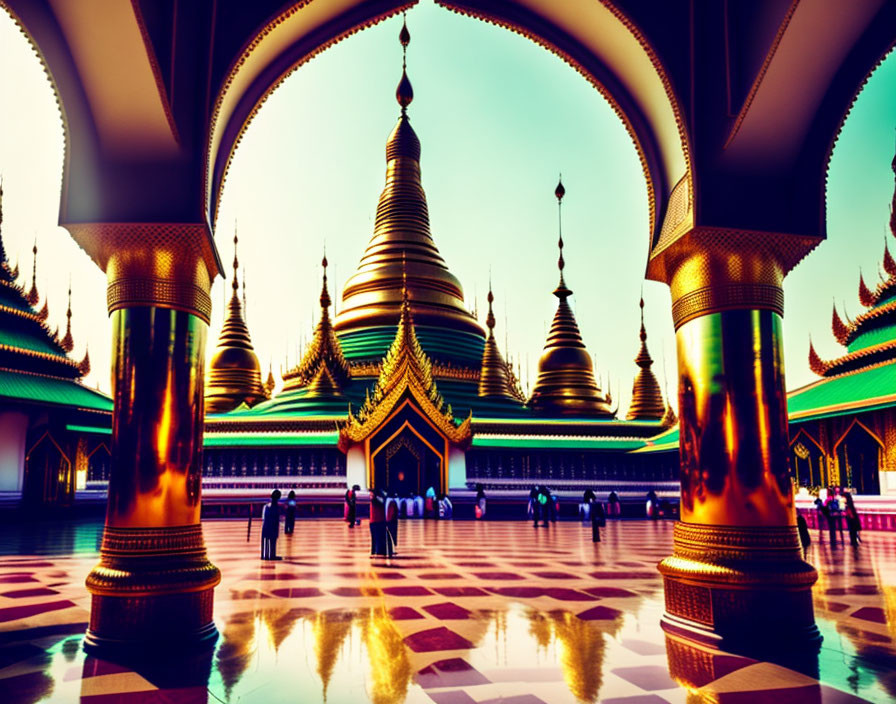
(467, 612)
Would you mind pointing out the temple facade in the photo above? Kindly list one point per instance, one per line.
(54, 431)
(405, 389)
(843, 426)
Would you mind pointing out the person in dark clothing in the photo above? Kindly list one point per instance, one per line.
(290, 522)
(614, 507)
(479, 510)
(533, 504)
(544, 498)
(391, 525)
(377, 524)
(653, 510)
(351, 505)
(803, 529)
(588, 496)
(821, 518)
(270, 527)
(831, 519)
(853, 523)
(598, 520)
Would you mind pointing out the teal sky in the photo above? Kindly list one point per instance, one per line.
(498, 117)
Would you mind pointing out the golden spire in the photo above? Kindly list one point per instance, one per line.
(269, 383)
(372, 296)
(866, 298)
(84, 364)
(838, 327)
(68, 343)
(565, 384)
(44, 312)
(647, 399)
(323, 354)
(493, 377)
(33, 296)
(406, 369)
(234, 375)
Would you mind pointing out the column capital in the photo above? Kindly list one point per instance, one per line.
(164, 265)
(711, 269)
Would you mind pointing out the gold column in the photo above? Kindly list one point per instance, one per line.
(736, 578)
(153, 587)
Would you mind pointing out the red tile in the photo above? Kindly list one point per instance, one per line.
(25, 593)
(436, 639)
(870, 613)
(601, 613)
(609, 592)
(447, 611)
(15, 612)
(298, 592)
(460, 591)
(440, 575)
(555, 575)
(407, 591)
(499, 575)
(567, 594)
(454, 672)
(16, 578)
(518, 592)
(404, 613)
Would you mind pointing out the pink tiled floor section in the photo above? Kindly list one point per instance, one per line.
(468, 613)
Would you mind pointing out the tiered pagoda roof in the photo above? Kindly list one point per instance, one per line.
(864, 377)
(647, 399)
(406, 374)
(565, 385)
(372, 297)
(34, 361)
(234, 374)
(496, 379)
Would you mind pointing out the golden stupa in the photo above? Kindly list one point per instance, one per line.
(494, 380)
(373, 295)
(565, 384)
(234, 374)
(647, 399)
(323, 368)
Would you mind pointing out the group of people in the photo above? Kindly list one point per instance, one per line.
(543, 505)
(835, 507)
(270, 523)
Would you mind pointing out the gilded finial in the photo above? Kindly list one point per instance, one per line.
(561, 292)
(490, 319)
(236, 262)
(865, 296)
(68, 342)
(324, 292)
(84, 364)
(404, 94)
(33, 296)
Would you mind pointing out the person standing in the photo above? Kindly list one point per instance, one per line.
(351, 505)
(480, 502)
(290, 521)
(820, 518)
(803, 529)
(853, 523)
(544, 497)
(392, 525)
(652, 507)
(270, 527)
(533, 504)
(598, 520)
(614, 507)
(377, 524)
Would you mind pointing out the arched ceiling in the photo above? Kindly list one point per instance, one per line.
(733, 107)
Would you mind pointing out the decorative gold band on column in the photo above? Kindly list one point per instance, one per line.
(719, 297)
(131, 292)
(165, 265)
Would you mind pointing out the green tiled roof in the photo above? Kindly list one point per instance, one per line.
(865, 390)
(271, 439)
(556, 443)
(41, 389)
(25, 341)
(442, 344)
(664, 442)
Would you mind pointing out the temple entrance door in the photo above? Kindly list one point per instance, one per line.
(407, 465)
(49, 477)
(858, 454)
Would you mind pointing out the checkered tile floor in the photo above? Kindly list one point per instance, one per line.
(467, 613)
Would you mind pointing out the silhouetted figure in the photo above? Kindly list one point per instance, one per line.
(853, 523)
(378, 539)
(614, 506)
(533, 504)
(653, 509)
(553, 506)
(429, 503)
(351, 505)
(835, 505)
(392, 525)
(289, 522)
(803, 529)
(544, 498)
(821, 518)
(588, 496)
(598, 520)
(446, 508)
(479, 510)
(270, 527)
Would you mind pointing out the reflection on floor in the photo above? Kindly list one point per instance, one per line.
(468, 612)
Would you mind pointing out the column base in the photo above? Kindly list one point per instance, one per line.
(153, 593)
(740, 589)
